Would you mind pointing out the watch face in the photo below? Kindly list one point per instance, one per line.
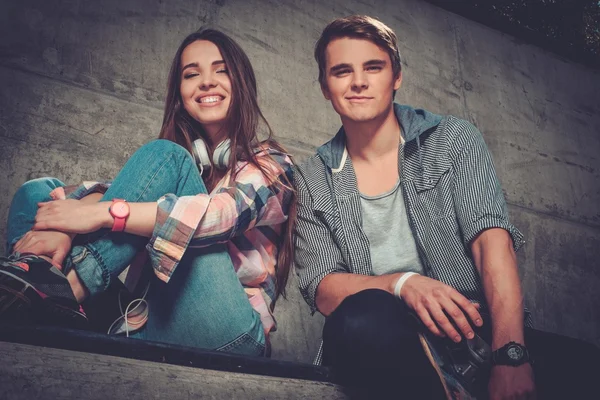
(515, 353)
(120, 209)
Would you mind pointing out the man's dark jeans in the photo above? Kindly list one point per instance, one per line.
(371, 342)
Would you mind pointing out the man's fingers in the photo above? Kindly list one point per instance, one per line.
(428, 322)
(443, 322)
(460, 321)
(468, 308)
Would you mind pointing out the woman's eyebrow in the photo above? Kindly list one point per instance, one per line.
(190, 65)
(195, 65)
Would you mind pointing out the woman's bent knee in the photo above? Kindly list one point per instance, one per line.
(37, 190)
(160, 147)
(40, 185)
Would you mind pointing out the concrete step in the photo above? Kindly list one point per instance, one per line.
(51, 363)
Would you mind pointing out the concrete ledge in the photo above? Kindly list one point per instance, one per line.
(142, 350)
(31, 372)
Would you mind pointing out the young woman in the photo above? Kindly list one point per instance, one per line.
(219, 241)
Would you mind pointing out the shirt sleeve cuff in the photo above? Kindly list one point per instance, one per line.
(492, 222)
(310, 294)
(176, 222)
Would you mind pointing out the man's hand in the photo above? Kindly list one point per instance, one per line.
(72, 216)
(512, 382)
(53, 244)
(433, 300)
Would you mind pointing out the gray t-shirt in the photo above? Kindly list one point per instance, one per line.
(385, 223)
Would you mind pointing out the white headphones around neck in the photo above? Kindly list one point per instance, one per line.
(220, 158)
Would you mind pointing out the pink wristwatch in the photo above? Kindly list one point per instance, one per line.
(119, 209)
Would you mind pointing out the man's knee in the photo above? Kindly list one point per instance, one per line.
(368, 309)
(368, 324)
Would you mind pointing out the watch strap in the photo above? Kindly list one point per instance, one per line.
(118, 222)
(511, 354)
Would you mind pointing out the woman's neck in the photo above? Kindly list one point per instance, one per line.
(214, 178)
(215, 134)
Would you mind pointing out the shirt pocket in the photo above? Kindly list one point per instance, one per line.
(433, 189)
(333, 222)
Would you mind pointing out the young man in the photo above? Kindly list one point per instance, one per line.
(403, 236)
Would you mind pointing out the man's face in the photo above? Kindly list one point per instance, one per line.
(359, 79)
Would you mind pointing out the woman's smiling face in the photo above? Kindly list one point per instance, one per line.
(205, 85)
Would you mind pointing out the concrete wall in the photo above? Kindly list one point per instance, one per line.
(76, 74)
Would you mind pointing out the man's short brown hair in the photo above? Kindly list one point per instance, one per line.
(358, 27)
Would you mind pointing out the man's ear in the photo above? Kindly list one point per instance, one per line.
(325, 92)
(398, 81)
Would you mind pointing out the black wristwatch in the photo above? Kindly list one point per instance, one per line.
(512, 353)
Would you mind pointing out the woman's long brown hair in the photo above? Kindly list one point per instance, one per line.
(242, 123)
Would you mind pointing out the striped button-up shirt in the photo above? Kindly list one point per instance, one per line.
(247, 214)
(451, 194)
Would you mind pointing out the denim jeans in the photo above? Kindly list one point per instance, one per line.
(370, 341)
(204, 304)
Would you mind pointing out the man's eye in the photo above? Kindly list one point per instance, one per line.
(342, 72)
(374, 68)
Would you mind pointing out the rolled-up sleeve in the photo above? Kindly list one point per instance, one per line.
(176, 222)
(202, 220)
(478, 198)
(316, 254)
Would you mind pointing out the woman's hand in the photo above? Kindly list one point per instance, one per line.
(53, 244)
(72, 216)
(434, 302)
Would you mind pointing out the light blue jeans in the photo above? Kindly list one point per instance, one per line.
(204, 304)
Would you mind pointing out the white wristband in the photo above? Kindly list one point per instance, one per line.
(400, 283)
